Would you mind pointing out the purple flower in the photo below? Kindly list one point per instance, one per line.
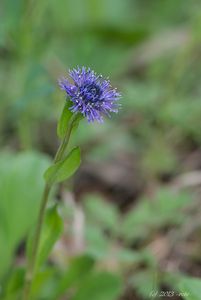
(90, 94)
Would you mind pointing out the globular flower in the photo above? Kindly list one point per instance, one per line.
(90, 94)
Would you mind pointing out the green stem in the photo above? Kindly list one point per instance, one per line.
(32, 262)
(31, 265)
(63, 145)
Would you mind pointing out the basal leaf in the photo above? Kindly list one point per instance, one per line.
(189, 288)
(100, 286)
(78, 269)
(18, 203)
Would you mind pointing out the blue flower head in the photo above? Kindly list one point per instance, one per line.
(90, 94)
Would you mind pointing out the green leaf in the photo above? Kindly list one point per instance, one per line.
(97, 243)
(101, 212)
(76, 122)
(166, 208)
(189, 287)
(100, 286)
(19, 172)
(14, 284)
(51, 231)
(65, 168)
(145, 282)
(45, 283)
(79, 268)
(64, 120)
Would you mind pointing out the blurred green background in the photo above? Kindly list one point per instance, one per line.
(132, 214)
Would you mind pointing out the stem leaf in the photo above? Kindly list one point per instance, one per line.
(52, 229)
(64, 169)
(64, 120)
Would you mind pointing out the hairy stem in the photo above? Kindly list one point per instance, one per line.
(31, 264)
